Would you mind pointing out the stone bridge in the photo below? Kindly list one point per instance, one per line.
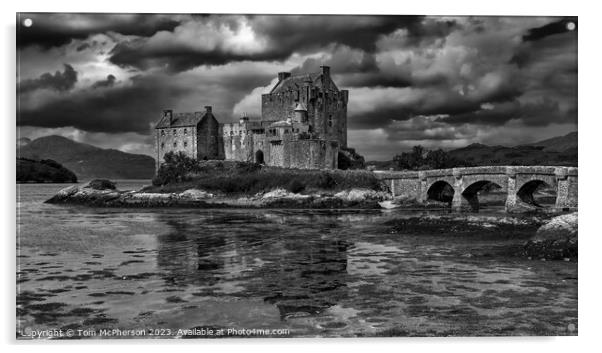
(519, 183)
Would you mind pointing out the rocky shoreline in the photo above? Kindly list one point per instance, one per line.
(104, 194)
(554, 238)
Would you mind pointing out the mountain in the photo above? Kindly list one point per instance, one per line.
(559, 143)
(479, 154)
(44, 171)
(556, 151)
(88, 161)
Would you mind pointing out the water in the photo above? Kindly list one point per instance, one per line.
(302, 273)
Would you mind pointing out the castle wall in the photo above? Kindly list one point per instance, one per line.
(179, 139)
(311, 154)
(207, 137)
(328, 116)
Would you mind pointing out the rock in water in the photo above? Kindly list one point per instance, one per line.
(558, 228)
(555, 240)
(388, 204)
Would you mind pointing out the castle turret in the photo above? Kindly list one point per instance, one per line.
(301, 113)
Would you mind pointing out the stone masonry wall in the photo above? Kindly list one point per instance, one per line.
(207, 137)
(180, 139)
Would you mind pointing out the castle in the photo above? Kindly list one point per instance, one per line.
(303, 124)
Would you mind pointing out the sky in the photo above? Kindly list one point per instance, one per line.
(439, 82)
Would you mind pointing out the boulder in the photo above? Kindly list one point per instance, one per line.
(356, 195)
(558, 228)
(281, 193)
(196, 194)
(555, 240)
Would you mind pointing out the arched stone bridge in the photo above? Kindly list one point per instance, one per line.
(518, 182)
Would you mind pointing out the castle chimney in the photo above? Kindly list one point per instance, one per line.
(325, 70)
(208, 108)
(283, 75)
(169, 114)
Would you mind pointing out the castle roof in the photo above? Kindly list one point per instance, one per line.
(300, 107)
(182, 120)
(295, 82)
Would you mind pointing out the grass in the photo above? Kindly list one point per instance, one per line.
(232, 177)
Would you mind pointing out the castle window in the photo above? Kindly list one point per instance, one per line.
(162, 132)
(175, 144)
(185, 131)
(330, 120)
(163, 145)
(185, 144)
(175, 132)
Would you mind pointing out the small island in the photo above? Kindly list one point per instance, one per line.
(185, 182)
(43, 171)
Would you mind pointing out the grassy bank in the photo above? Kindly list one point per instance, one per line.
(244, 178)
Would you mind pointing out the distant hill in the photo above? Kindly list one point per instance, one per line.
(88, 161)
(559, 143)
(560, 151)
(478, 154)
(23, 141)
(44, 171)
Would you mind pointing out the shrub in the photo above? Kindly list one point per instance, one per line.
(175, 168)
(101, 184)
(295, 186)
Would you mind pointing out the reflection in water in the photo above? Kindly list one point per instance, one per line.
(302, 274)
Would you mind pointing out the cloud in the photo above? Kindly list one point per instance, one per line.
(60, 81)
(216, 40)
(251, 104)
(56, 29)
(109, 82)
(549, 29)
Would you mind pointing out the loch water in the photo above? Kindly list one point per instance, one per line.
(282, 273)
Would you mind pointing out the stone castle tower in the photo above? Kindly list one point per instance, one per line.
(313, 99)
(303, 124)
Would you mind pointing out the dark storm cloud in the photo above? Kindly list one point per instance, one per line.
(303, 33)
(549, 29)
(108, 82)
(56, 29)
(126, 108)
(283, 36)
(60, 81)
(112, 107)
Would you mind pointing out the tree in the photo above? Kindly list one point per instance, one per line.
(420, 158)
(437, 159)
(410, 160)
(175, 168)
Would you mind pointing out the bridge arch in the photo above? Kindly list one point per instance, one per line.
(440, 190)
(527, 190)
(470, 193)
